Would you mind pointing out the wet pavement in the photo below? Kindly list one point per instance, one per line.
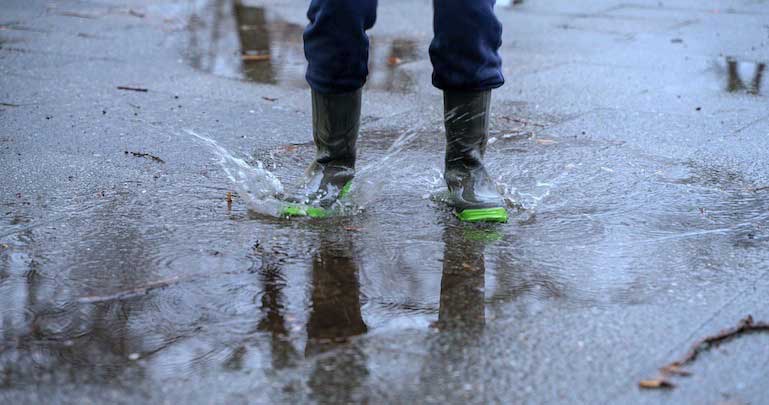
(630, 139)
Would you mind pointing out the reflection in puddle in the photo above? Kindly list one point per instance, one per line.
(462, 282)
(335, 316)
(742, 76)
(236, 40)
(255, 43)
(335, 313)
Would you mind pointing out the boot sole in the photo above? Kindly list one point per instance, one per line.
(497, 214)
(313, 212)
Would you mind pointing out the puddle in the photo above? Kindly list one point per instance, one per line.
(140, 283)
(240, 41)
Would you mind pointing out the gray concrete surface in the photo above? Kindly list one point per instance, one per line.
(636, 158)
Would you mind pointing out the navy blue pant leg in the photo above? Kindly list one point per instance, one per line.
(464, 51)
(336, 45)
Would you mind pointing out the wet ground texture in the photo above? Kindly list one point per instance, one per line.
(631, 140)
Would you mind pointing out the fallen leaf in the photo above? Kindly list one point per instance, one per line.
(287, 148)
(394, 60)
(261, 57)
(658, 383)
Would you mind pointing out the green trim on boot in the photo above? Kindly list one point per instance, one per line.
(498, 214)
(302, 210)
(345, 190)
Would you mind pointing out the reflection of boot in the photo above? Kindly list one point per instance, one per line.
(472, 192)
(335, 313)
(735, 82)
(335, 316)
(335, 124)
(462, 283)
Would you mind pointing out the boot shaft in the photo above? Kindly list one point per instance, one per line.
(466, 118)
(335, 126)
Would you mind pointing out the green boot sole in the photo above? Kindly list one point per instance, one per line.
(497, 214)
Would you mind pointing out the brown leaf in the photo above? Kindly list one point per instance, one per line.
(657, 383)
(288, 148)
(260, 57)
(394, 61)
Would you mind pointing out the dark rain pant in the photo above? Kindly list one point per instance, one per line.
(463, 51)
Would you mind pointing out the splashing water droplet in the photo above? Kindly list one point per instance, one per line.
(257, 186)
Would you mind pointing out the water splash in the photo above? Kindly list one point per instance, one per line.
(263, 192)
(369, 180)
(258, 187)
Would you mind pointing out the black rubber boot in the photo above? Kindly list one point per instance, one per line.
(335, 125)
(472, 192)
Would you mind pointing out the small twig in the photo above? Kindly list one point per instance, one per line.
(146, 155)
(129, 88)
(78, 15)
(757, 189)
(132, 293)
(746, 325)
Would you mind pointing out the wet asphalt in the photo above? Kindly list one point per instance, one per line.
(631, 139)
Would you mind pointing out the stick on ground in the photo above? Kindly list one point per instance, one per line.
(746, 325)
